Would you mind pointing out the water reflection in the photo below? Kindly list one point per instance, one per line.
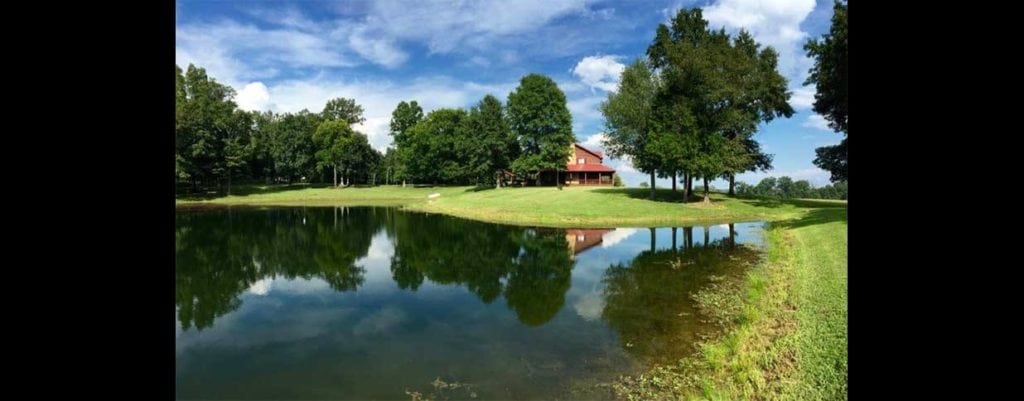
(648, 300)
(364, 303)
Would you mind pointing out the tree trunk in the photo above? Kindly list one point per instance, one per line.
(652, 239)
(707, 199)
(732, 235)
(687, 187)
(497, 180)
(674, 239)
(403, 183)
(652, 184)
(732, 184)
(674, 181)
(229, 182)
(335, 180)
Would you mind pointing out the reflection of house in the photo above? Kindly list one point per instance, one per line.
(582, 239)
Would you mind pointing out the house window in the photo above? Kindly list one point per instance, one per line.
(580, 161)
(580, 237)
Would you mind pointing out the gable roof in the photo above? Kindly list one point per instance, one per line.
(595, 153)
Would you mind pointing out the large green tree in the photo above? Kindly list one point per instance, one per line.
(293, 149)
(438, 148)
(211, 133)
(334, 142)
(492, 147)
(405, 116)
(628, 118)
(540, 120)
(830, 77)
(716, 90)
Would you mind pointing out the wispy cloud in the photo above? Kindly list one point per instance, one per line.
(816, 121)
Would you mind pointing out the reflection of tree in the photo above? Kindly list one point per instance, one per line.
(648, 302)
(220, 255)
(452, 251)
(538, 283)
(536, 264)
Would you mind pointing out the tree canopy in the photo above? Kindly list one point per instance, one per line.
(830, 76)
(540, 120)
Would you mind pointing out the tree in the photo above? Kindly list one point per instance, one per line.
(293, 149)
(342, 109)
(628, 115)
(211, 134)
(784, 187)
(492, 147)
(832, 159)
(715, 92)
(540, 120)
(405, 116)
(802, 189)
(333, 139)
(440, 144)
(617, 181)
(830, 76)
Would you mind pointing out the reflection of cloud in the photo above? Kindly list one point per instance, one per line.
(379, 322)
(590, 306)
(261, 287)
(301, 286)
(616, 236)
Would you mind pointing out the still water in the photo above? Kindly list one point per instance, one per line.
(376, 303)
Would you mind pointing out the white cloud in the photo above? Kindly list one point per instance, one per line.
(254, 96)
(773, 23)
(585, 108)
(595, 141)
(600, 72)
(480, 61)
(816, 121)
(378, 50)
(803, 98)
(445, 26)
(609, 239)
(219, 47)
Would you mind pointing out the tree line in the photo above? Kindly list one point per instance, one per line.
(489, 144)
(217, 143)
(785, 188)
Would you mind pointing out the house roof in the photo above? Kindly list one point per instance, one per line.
(593, 152)
(589, 168)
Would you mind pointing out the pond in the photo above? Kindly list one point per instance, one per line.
(376, 303)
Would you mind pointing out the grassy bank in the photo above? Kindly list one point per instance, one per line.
(542, 206)
(788, 341)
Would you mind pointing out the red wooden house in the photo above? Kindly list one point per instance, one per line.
(585, 168)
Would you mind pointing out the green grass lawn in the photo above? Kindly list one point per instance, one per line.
(542, 206)
(788, 340)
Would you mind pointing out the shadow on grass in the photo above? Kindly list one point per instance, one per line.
(246, 190)
(660, 194)
(814, 217)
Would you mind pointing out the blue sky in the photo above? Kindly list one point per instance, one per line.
(289, 56)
